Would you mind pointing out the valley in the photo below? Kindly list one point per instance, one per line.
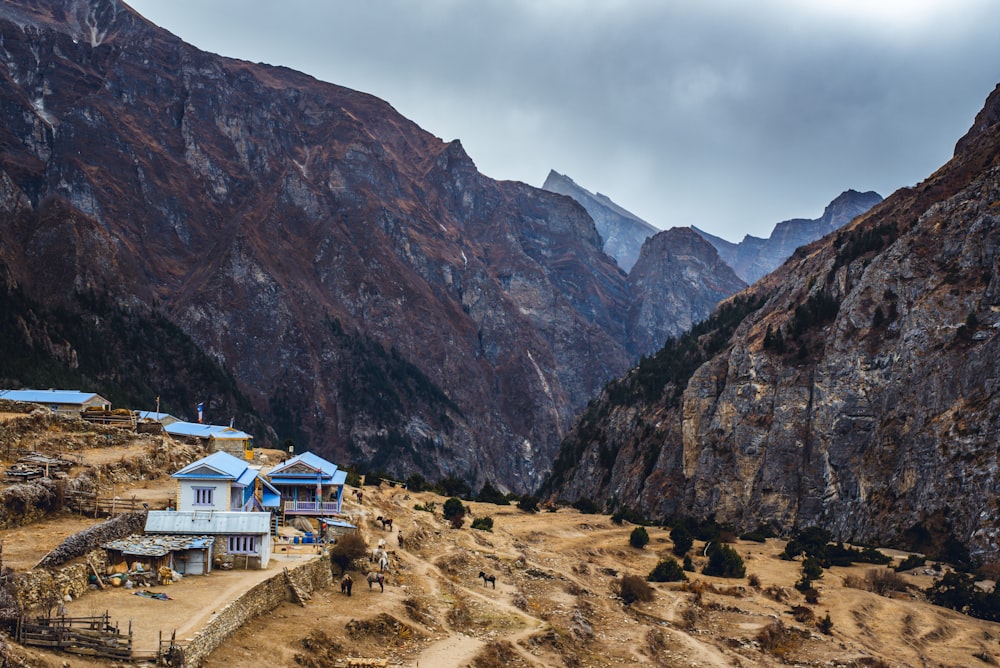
(556, 601)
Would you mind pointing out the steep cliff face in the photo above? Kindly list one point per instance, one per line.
(623, 232)
(753, 258)
(373, 295)
(677, 281)
(855, 388)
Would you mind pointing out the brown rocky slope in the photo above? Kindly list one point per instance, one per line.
(370, 293)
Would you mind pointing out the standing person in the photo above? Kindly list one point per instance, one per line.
(399, 537)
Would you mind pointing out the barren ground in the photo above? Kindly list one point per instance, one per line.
(552, 606)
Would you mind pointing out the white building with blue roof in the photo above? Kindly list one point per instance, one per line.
(309, 485)
(215, 438)
(65, 402)
(218, 482)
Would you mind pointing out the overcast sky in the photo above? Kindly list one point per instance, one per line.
(728, 115)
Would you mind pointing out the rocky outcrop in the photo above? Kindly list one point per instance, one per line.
(622, 231)
(854, 388)
(753, 257)
(677, 281)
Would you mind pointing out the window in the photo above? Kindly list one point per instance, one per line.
(243, 544)
(204, 496)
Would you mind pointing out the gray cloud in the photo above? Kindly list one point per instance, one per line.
(730, 116)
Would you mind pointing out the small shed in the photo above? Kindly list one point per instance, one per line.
(337, 527)
(188, 555)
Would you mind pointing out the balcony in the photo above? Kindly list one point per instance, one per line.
(311, 507)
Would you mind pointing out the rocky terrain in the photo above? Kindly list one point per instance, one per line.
(855, 388)
(558, 599)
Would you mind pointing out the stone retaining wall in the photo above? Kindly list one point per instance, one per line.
(41, 587)
(262, 598)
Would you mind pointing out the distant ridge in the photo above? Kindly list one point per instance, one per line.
(753, 258)
(623, 232)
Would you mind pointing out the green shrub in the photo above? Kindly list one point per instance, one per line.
(452, 508)
(724, 562)
(668, 570)
(683, 540)
(639, 538)
(912, 561)
(483, 523)
(528, 503)
(490, 494)
(417, 483)
(688, 564)
(586, 506)
(428, 507)
(812, 568)
(825, 625)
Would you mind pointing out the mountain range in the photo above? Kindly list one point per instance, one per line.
(300, 258)
(853, 388)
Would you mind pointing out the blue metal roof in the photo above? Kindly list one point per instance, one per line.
(199, 430)
(310, 460)
(51, 396)
(227, 466)
(153, 415)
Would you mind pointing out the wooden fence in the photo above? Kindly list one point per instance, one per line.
(88, 636)
(98, 506)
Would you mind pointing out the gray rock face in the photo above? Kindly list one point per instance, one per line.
(753, 258)
(875, 411)
(623, 232)
(677, 281)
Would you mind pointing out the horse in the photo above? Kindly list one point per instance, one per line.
(492, 579)
(373, 578)
(386, 522)
(346, 583)
(383, 562)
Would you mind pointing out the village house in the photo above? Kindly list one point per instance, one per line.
(64, 402)
(222, 482)
(309, 486)
(243, 537)
(214, 438)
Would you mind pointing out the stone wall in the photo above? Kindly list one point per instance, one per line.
(93, 537)
(41, 587)
(262, 598)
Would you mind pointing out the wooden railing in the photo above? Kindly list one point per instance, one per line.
(312, 507)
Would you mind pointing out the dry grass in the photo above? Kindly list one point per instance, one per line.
(498, 654)
(881, 581)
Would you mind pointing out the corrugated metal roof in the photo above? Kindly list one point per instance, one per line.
(206, 522)
(199, 430)
(337, 523)
(51, 396)
(158, 545)
(153, 415)
(227, 466)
